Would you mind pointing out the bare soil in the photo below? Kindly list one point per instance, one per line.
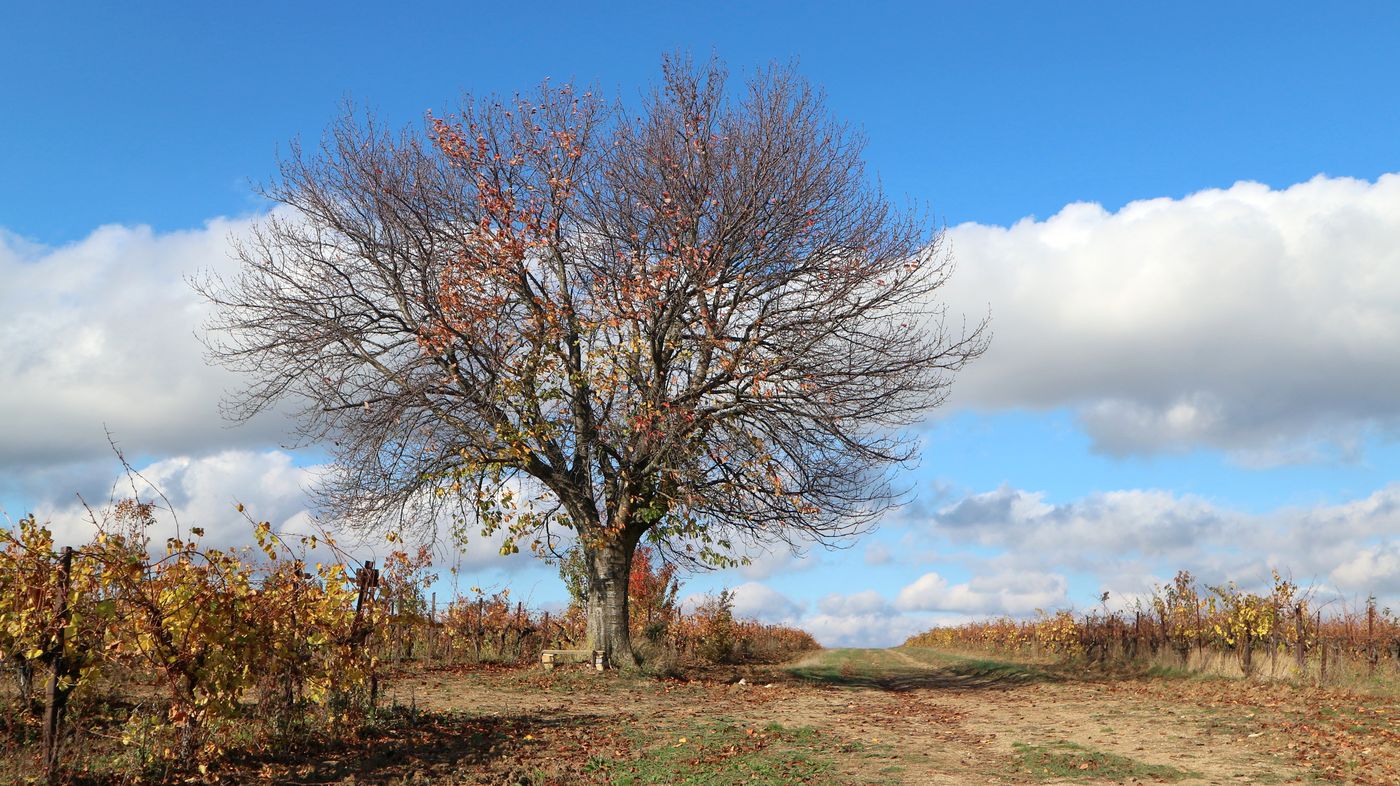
(867, 717)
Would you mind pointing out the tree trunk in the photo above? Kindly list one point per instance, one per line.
(609, 569)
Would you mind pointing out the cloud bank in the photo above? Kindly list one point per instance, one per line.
(1257, 321)
(1023, 554)
(101, 335)
(1252, 320)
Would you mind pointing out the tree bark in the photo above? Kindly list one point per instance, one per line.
(609, 568)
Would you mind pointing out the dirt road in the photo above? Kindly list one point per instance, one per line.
(900, 716)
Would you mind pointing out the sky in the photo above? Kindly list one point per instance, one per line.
(1184, 221)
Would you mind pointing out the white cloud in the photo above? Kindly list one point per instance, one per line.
(872, 629)
(857, 604)
(1132, 539)
(758, 601)
(205, 491)
(1259, 321)
(1015, 594)
(101, 334)
(861, 619)
(1376, 568)
(1116, 525)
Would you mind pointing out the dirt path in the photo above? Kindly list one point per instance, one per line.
(955, 720)
(880, 717)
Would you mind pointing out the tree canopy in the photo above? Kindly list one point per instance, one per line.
(696, 320)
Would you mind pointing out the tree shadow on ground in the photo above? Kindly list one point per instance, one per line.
(411, 747)
(971, 674)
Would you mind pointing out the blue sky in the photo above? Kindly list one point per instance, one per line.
(1187, 372)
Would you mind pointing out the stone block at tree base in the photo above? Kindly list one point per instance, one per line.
(550, 658)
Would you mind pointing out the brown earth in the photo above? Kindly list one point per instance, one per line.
(877, 716)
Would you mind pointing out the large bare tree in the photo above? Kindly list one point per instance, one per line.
(695, 320)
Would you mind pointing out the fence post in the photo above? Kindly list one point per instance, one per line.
(368, 579)
(1300, 654)
(1273, 639)
(58, 692)
(363, 576)
(1200, 634)
(480, 625)
(1322, 645)
(1371, 654)
(1247, 654)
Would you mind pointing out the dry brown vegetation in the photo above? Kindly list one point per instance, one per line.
(1218, 630)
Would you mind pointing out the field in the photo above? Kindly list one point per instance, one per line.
(897, 716)
(245, 667)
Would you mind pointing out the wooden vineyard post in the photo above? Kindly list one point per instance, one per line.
(1321, 645)
(1372, 657)
(362, 581)
(1200, 634)
(1166, 635)
(1247, 651)
(1273, 639)
(57, 695)
(368, 579)
(1301, 653)
(480, 625)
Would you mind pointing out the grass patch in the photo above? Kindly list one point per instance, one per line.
(982, 666)
(1163, 671)
(910, 668)
(1000, 669)
(723, 753)
(850, 667)
(1068, 760)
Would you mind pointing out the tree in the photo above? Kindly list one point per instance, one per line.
(697, 322)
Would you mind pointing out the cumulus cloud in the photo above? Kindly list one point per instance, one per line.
(863, 630)
(753, 600)
(1122, 525)
(204, 492)
(1015, 594)
(1252, 320)
(1376, 567)
(860, 619)
(863, 603)
(101, 334)
(1133, 539)
(1258, 321)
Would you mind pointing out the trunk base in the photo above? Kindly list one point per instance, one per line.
(609, 570)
